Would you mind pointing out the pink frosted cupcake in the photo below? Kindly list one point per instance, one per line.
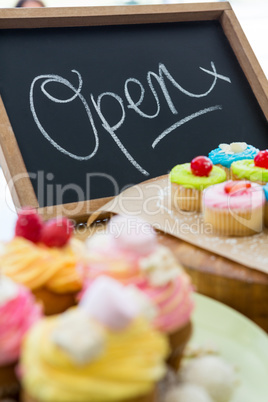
(234, 208)
(129, 252)
(18, 311)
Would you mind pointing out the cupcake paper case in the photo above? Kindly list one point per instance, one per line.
(18, 312)
(104, 350)
(246, 170)
(129, 253)
(234, 208)
(50, 272)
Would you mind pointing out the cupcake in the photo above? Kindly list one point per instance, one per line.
(44, 257)
(190, 179)
(265, 189)
(104, 350)
(129, 253)
(18, 312)
(234, 208)
(226, 154)
(254, 170)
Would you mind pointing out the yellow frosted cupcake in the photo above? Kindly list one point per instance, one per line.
(102, 351)
(44, 257)
(190, 179)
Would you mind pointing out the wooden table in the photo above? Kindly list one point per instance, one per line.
(239, 287)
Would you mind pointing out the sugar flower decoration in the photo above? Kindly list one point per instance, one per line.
(233, 148)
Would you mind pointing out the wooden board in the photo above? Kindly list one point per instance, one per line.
(14, 165)
(239, 287)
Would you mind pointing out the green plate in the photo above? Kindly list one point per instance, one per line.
(240, 342)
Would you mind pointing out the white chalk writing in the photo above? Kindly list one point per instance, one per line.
(160, 78)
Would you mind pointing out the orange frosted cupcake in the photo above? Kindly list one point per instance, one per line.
(129, 252)
(44, 257)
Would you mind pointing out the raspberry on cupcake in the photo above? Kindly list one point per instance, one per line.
(190, 179)
(44, 257)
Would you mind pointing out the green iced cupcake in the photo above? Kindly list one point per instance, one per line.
(190, 179)
(182, 175)
(246, 169)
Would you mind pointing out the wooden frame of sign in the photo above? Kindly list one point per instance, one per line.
(10, 155)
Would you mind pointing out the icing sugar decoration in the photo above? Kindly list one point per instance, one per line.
(132, 234)
(233, 148)
(109, 303)
(79, 336)
(160, 267)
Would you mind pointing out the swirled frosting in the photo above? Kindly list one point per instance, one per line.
(18, 312)
(182, 175)
(173, 302)
(225, 158)
(246, 169)
(36, 266)
(126, 364)
(158, 275)
(248, 198)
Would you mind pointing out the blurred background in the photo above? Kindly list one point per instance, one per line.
(252, 15)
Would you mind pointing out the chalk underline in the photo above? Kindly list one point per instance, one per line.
(183, 121)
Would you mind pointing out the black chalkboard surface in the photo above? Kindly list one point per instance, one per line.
(95, 109)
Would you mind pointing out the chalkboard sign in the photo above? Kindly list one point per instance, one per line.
(99, 101)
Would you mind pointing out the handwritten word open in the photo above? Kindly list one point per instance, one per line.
(163, 74)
